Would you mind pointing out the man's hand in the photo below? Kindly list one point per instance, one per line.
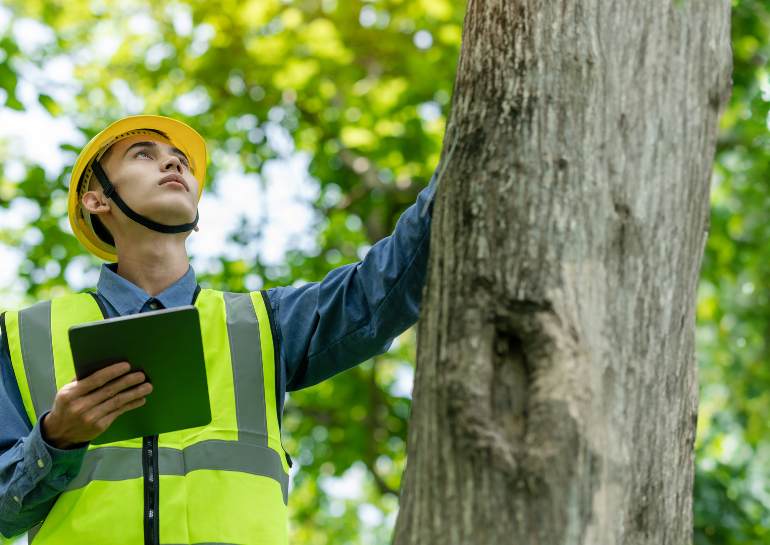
(83, 409)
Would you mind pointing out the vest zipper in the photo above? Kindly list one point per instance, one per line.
(150, 471)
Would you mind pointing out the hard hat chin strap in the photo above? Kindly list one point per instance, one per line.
(111, 193)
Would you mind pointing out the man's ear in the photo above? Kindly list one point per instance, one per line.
(95, 202)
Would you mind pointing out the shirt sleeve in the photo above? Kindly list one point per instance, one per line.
(32, 472)
(357, 310)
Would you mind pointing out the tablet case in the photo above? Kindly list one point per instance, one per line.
(166, 344)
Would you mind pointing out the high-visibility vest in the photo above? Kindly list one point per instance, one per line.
(224, 483)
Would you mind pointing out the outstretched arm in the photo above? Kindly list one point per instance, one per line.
(357, 310)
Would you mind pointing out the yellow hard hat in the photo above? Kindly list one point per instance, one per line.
(176, 133)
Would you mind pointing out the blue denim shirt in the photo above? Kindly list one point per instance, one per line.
(323, 328)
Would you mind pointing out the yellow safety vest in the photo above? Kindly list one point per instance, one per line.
(223, 483)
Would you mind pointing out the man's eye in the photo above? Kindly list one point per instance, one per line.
(144, 153)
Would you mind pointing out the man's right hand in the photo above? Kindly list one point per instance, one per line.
(83, 409)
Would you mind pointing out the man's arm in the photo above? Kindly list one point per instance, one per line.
(32, 472)
(357, 310)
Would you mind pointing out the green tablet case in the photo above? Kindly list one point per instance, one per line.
(166, 345)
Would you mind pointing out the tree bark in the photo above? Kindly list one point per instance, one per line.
(555, 396)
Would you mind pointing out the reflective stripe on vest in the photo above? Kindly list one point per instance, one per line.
(226, 482)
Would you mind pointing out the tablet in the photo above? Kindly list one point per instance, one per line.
(166, 345)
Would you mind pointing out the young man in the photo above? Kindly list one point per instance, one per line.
(133, 202)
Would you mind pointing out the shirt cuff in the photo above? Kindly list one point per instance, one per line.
(427, 195)
(44, 457)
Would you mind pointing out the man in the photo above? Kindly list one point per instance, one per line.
(133, 202)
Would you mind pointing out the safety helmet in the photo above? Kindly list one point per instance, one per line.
(90, 231)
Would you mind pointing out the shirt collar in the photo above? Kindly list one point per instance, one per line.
(128, 298)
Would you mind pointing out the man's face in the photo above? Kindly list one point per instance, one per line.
(137, 165)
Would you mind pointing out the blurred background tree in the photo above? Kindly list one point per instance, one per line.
(732, 487)
(323, 120)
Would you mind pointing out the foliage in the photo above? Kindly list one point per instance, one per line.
(733, 448)
(363, 89)
(345, 83)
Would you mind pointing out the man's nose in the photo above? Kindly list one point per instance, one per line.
(172, 162)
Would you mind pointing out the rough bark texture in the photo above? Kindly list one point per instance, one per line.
(555, 395)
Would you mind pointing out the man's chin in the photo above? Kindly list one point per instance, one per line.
(171, 216)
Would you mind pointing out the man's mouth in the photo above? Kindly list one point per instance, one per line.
(175, 178)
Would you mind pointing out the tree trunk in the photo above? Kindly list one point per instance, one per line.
(555, 396)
